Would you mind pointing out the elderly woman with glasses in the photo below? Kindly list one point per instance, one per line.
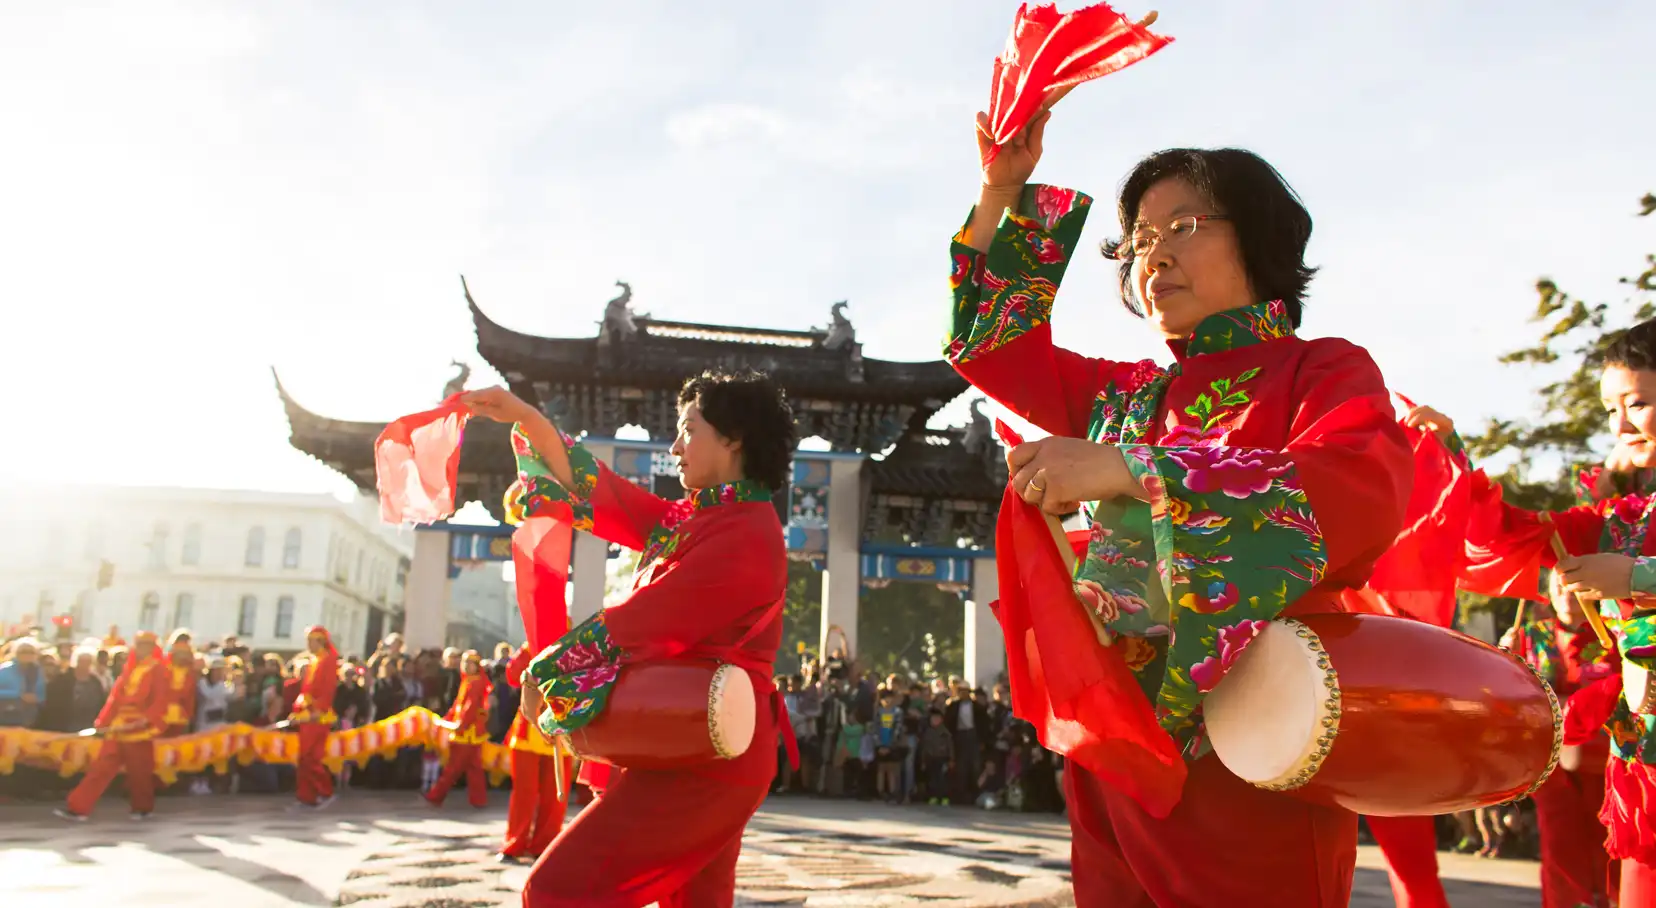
(1259, 474)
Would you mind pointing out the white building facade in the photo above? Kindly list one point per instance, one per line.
(257, 565)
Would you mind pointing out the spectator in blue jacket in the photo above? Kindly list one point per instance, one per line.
(22, 685)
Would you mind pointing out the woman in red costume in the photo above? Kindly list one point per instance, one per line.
(131, 719)
(313, 716)
(710, 584)
(1260, 475)
(536, 811)
(181, 675)
(1611, 564)
(468, 719)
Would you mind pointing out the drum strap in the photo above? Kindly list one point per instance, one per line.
(734, 655)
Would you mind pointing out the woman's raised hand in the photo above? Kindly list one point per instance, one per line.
(1015, 163)
(497, 404)
(1430, 420)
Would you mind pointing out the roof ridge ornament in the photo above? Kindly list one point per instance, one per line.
(620, 322)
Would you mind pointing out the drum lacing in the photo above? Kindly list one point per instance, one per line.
(1331, 705)
(1558, 729)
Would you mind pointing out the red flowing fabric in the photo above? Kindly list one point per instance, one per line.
(1629, 811)
(1416, 577)
(1048, 50)
(540, 562)
(1081, 697)
(417, 462)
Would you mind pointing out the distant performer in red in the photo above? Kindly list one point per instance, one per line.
(181, 678)
(709, 586)
(313, 716)
(131, 719)
(537, 807)
(469, 720)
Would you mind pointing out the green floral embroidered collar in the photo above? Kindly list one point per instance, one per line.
(738, 492)
(1234, 329)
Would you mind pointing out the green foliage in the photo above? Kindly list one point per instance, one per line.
(909, 628)
(1571, 420)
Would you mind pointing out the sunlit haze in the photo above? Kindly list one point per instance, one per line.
(198, 191)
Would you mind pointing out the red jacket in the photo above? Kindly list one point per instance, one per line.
(180, 692)
(470, 711)
(138, 695)
(316, 693)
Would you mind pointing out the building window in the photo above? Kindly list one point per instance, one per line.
(355, 632)
(158, 547)
(284, 617)
(249, 614)
(290, 548)
(342, 566)
(192, 545)
(183, 611)
(149, 612)
(356, 578)
(255, 547)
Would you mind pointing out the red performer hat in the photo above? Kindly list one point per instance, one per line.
(317, 630)
(145, 637)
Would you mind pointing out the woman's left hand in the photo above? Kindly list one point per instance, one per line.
(1603, 576)
(1056, 474)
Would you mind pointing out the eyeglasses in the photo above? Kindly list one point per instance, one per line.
(1145, 238)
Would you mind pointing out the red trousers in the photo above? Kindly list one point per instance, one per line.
(1638, 885)
(667, 837)
(1410, 847)
(1575, 870)
(466, 759)
(1226, 844)
(137, 757)
(312, 778)
(537, 808)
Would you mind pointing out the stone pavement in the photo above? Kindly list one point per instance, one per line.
(387, 850)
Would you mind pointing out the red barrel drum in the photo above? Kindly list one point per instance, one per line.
(1639, 684)
(671, 714)
(1384, 716)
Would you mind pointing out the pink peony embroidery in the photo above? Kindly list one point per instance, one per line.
(1129, 377)
(1194, 436)
(1237, 472)
(1053, 203)
(580, 657)
(594, 678)
(1207, 674)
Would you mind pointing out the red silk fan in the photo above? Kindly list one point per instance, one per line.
(417, 462)
(1048, 51)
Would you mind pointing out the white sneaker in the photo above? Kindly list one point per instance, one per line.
(324, 802)
(65, 813)
(140, 815)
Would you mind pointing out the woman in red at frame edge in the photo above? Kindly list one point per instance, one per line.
(1295, 443)
(710, 582)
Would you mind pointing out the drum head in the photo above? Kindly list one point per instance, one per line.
(1637, 683)
(731, 711)
(1265, 718)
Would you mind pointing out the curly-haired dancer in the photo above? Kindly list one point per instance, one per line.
(710, 583)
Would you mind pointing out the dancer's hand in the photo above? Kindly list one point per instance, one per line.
(1056, 474)
(1429, 420)
(1602, 576)
(498, 404)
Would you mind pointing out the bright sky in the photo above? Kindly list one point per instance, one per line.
(196, 191)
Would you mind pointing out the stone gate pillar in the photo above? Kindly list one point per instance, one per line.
(985, 645)
(591, 558)
(426, 602)
(841, 578)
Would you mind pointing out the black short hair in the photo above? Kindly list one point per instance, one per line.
(751, 408)
(1272, 225)
(1634, 348)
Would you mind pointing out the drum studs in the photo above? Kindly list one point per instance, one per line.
(1558, 730)
(1331, 711)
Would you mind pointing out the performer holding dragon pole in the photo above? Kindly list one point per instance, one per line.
(1259, 475)
(1609, 560)
(468, 719)
(709, 587)
(129, 723)
(181, 678)
(313, 717)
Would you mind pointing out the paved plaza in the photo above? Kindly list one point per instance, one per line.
(388, 850)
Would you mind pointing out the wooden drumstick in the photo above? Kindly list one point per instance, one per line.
(1589, 608)
(558, 746)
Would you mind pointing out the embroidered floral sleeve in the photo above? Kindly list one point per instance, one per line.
(535, 485)
(576, 675)
(1232, 536)
(1005, 295)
